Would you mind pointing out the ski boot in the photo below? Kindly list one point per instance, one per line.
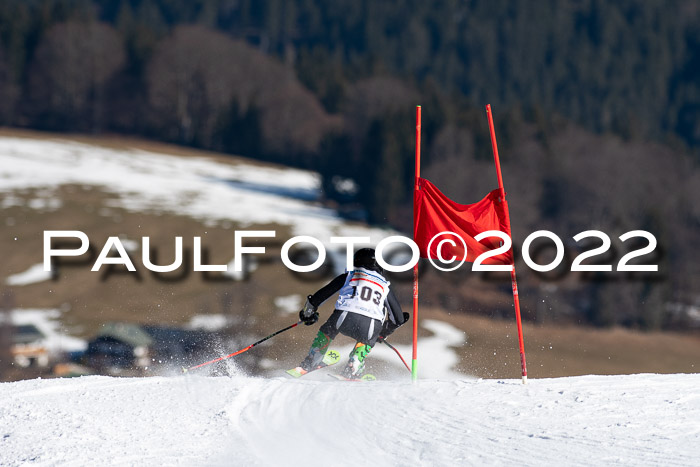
(314, 359)
(356, 363)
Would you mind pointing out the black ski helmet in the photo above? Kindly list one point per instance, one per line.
(364, 258)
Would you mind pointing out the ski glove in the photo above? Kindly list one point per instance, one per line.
(390, 327)
(308, 315)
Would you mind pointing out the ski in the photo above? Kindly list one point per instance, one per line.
(365, 378)
(330, 358)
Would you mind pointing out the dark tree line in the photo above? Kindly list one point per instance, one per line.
(585, 94)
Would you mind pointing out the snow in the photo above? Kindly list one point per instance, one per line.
(289, 304)
(203, 188)
(436, 354)
(32, 275)
(193, 420)
(212, 322)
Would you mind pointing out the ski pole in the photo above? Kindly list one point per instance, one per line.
(397, 353)
(185, 370)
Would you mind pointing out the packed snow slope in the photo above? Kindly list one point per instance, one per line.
(193, 420)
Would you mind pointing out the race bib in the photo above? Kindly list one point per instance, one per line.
(364, 293)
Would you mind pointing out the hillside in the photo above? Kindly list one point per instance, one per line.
(131, 188)
(591, 420)
(595, 107)
(106, 189)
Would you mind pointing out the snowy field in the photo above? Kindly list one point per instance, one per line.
(203, 188)
(228, 194)
(191, 420)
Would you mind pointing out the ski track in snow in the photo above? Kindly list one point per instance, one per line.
(193, 420)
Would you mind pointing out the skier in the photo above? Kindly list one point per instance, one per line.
(366, 310)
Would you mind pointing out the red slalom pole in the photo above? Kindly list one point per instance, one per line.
(414, 363)
(185, 370)
(514, 283)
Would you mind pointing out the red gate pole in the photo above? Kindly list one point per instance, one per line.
(414, 363)
(513, 281)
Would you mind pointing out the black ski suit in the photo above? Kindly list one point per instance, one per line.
(359, 327)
